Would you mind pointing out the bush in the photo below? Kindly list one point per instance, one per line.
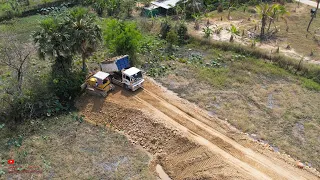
(33, 102)
(182, 32)
(310, 84)
(122, 37)
(220, 8)
(172, 38)
(165, 28)
(67, 86)
(46, 94)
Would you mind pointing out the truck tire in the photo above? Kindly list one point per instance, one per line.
(126, 87)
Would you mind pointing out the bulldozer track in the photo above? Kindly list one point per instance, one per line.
(198, 128)
(194, 145)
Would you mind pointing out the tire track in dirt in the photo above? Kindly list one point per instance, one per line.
(199, 149)
(245, 168)
(180, 157)
(253, 163)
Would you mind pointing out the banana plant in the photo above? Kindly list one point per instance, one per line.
(234, 31)
(207, 32)
(196, 18)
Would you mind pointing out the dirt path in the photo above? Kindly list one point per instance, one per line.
(214, 146)
(308, 2)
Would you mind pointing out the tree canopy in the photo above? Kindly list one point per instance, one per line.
(64, 34)
(121, 37)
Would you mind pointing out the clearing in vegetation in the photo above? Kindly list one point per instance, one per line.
(184, 139)
(294, 42)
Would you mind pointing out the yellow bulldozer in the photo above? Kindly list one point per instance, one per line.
(98, 83)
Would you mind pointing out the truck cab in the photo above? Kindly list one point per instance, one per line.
(132, 78)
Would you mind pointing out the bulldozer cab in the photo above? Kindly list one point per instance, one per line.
(100, 80)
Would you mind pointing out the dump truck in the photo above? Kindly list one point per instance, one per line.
(98, 83)
(122, 73)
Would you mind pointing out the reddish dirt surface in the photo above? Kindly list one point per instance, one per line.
(185, 140)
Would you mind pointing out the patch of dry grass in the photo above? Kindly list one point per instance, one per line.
(65, 150)
(256, 97)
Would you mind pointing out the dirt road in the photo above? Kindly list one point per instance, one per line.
(203, 146)
(308, 2)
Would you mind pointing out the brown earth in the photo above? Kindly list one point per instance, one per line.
(185, 140)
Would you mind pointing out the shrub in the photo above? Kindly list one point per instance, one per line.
(172, 38)
(121, 37)
(220, 8)
(165, 28)
(182, 31)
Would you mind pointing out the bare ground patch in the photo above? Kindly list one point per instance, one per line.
(180, 157)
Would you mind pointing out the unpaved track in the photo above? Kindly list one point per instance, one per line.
(205, 130)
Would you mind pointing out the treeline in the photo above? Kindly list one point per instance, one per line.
(22, 8)
(65, 39)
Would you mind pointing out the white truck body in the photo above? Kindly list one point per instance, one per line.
(122, 74)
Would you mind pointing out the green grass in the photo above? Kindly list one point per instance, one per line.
(310, 84)
(21, 28)
(216, 77)
(63, 149)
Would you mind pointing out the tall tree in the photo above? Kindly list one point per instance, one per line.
(85, 33)
(263, 10)
(53, 39)
(65, 34)
(268, 13)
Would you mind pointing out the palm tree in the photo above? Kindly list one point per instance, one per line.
(234, 31)
(276, 11)
(64, 35)
(207, 32)
(263, 10)
(231, 7)
(196, 18)
(85, 33)
(52, 39)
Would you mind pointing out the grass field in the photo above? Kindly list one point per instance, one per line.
(254, 95)
(20, 28)
(63, 148)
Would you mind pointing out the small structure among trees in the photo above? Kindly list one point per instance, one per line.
(160, 7)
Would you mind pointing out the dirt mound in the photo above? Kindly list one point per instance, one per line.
(186, 141)
(180, 157)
